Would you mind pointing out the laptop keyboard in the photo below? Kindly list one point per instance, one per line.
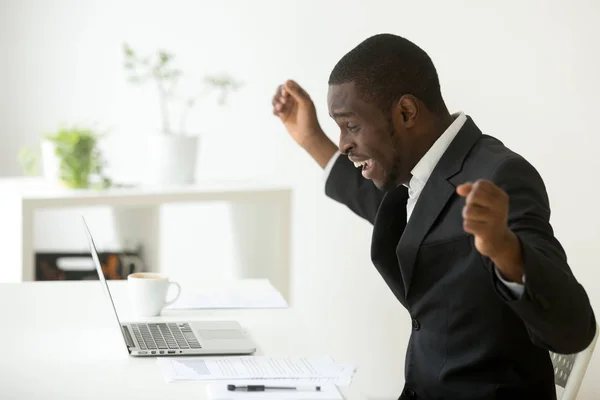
(165, 336)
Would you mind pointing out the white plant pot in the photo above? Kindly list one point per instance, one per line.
(171, 159)
(50, 161)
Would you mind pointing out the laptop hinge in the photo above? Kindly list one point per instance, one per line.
(127, 336)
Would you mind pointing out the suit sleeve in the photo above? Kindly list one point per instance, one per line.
(346, 185)
(554, 306)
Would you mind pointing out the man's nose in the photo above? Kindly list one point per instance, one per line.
(346, 144)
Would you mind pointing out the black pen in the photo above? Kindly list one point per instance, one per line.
(262, 388)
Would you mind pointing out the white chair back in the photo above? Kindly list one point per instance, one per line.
(569, 369)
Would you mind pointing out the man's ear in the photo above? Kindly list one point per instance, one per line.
(406, 111)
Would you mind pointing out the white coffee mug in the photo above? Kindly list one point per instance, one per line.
(148, 293)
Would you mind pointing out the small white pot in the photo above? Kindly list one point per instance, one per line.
(171, 159)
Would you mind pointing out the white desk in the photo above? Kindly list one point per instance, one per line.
(260, 215)
(60, 341)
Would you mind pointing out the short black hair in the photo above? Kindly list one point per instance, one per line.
(385, 67)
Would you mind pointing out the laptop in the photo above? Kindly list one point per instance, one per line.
(169, 338)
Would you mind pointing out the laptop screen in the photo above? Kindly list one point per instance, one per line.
(101, 277)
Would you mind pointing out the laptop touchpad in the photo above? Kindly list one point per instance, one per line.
(220, 334)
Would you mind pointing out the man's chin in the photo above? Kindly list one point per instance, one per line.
(384, 186)
(382, 180)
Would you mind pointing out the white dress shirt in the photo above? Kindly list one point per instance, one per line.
(422, 171)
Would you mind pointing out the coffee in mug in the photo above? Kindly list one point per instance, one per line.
(148, 293)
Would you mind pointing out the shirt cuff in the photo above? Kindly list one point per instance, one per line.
(329, 165)
(515, 288)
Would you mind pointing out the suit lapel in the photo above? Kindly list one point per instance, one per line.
(387, 228)
(432, 200)
(437, 192)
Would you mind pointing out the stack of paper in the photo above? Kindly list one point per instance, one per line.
(297, 369)
(218, 391)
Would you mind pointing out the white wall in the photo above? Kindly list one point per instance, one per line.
(526, 71)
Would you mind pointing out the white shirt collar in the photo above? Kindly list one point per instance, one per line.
(425, 166)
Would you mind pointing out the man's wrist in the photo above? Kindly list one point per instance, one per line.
(320, 147)
(509, 259)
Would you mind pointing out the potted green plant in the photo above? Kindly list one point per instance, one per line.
(71, 157)
(172, 151)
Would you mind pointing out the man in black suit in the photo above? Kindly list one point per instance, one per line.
(461, 227)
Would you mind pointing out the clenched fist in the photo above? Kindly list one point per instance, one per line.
(292, 104)
(294, 107)
(485, 215)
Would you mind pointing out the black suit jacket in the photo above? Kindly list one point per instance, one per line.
(471, 338)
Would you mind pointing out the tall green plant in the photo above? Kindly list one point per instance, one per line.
(81, 162)
(160, 70)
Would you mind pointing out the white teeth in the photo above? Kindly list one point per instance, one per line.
(359, 164)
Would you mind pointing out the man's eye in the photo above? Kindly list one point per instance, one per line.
(352, 128)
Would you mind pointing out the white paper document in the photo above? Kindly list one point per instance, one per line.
(218, 391)
(230, 299)
(301, 370)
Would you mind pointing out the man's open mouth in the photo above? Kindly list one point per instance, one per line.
(363, 164)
